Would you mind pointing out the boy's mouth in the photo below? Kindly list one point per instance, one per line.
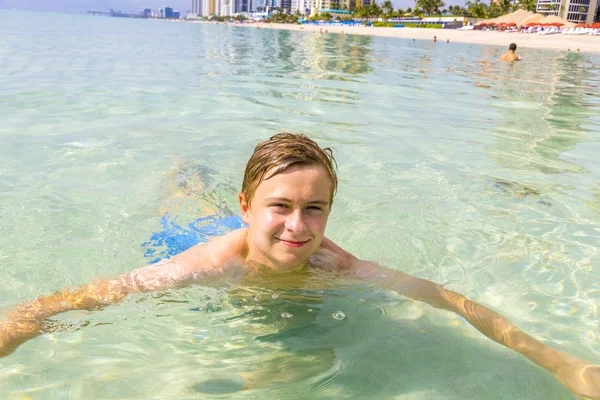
(292, 243)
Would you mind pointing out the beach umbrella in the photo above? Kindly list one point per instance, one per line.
(580, 26)
(595, 26)
(533, 19)
(516, 17)
(482, 24)
(511, 24)
(551, 19)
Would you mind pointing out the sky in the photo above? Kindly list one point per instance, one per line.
(131, 6)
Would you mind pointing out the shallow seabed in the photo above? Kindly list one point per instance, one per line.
(454, 167)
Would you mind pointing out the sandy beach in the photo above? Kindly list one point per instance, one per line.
(586, 43)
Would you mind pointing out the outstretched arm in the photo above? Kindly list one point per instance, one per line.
(577, 375)
(198, 262)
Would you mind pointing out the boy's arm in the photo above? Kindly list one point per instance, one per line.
(577, 375)
(201, 261)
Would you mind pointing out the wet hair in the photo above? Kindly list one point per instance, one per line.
(512, 47)
(281, 152)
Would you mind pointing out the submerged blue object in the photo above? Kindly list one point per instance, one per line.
(174, 239)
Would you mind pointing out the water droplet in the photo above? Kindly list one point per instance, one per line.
(256, 298)
(363, 300)
(338, 315)
(383, 276)
(319, 291)
(275, 296)
(310, 310)
(286, 315)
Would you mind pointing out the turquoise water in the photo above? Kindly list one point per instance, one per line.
(454, 167)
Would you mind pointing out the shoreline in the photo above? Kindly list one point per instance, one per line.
(586, 43)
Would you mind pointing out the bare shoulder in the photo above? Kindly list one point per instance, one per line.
(332, 257)
(201, 261)
(217, 251)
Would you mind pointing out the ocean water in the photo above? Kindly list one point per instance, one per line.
(121, 140)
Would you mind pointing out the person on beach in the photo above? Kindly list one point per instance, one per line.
(286, 198)
(510, 55)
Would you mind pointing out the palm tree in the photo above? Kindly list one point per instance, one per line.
(388, 8)
(375, 10)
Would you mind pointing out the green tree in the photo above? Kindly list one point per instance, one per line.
(388, 8)
(375, 10)
(529, 5)
(505, 6)
(494, 10)
(400, 13)
(430, 7)
(477, 9)
(457, 10)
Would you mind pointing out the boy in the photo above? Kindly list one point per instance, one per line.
(510, 55)
(286, 197)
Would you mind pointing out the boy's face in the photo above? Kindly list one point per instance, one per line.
(288, 216)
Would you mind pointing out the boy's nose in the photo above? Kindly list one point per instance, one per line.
(295, 221)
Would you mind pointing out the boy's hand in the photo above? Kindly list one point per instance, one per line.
(580, 377)
(13, 334)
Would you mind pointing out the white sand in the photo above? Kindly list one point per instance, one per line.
(586, 43)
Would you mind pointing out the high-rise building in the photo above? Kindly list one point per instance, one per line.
(316, 5)
(286, 5)
(579, 11)
(197, 7)
(168, 12)
(266, 5)
(301, 6)
(241, 6)
(209, 7)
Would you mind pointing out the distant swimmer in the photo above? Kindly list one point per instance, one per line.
(434, 39)
(447, 40)
(511, 56)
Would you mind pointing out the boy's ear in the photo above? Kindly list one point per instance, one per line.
(244, 207)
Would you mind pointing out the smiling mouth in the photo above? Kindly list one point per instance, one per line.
(292, 243)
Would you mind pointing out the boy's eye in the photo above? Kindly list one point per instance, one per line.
(315, 208)
(279, 205)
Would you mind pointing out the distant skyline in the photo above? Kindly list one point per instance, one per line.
(131, 6)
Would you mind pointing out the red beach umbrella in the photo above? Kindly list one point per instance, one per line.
(595, 26)
(580, 26)
(511, 24)
(482, 24)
